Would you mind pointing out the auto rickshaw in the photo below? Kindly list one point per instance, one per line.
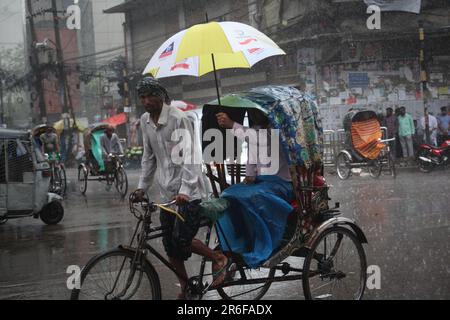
(25, 179)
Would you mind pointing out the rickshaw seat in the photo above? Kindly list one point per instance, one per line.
(365, 138)
(236, 173)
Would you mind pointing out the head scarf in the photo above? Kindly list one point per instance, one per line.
(150, 86)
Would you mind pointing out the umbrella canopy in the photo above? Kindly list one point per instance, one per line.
(116, 120)
(40, 129)
(247, 100)
(59, 126)
(183, 106)
(190, 52)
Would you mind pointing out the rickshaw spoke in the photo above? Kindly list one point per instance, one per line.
(341, 271)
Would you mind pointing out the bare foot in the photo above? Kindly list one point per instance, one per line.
(219, 270)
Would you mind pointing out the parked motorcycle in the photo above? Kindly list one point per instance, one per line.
(430, 157)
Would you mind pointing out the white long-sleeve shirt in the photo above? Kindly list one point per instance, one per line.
(256, 168)
(172, 177)
(433, 123)
(111, 145)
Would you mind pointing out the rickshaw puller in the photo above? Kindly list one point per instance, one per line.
(50, 143)
(182, 182)
(110, 144)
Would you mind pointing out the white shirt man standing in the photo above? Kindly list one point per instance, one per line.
(429, 122)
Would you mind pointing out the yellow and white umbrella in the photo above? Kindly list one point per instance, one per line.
(212, 46)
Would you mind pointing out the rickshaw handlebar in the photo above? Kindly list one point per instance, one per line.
(145, 200)
(387, 140)
(168, 204)
(136, 200)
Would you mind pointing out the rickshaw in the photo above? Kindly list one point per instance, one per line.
(95, 168)
(58, 180)
(25, 179)
(364, 146)
(317, 241)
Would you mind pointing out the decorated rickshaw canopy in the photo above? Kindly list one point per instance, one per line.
(364, 130)
(357, 115)
(40, 129)
(292, 112)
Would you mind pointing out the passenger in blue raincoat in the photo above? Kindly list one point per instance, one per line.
(254, 224)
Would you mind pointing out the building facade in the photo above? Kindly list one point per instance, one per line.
(330, 51)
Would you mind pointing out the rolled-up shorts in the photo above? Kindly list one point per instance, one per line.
(178, 235)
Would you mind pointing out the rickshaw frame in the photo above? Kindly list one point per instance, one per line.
(312, 210)
(86, 171)
(355, 161)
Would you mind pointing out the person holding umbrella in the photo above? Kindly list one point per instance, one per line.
(254, 224)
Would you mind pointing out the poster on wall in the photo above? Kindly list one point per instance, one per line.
(358, 80)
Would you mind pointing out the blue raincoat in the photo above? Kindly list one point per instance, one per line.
(254, 224)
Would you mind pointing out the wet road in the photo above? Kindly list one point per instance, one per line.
(405, 220)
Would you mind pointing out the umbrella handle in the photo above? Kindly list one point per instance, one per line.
(216, 79)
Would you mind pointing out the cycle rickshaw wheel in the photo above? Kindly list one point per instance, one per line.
(425, 167)
(392, 167)
(82, 179)
(121, 181)
(342, 166)
(110, 277)
(375, 169)
(335, 268)
(62, 180)
(246, 291)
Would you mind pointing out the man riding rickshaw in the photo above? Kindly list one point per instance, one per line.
(47, 140)
(103, 153)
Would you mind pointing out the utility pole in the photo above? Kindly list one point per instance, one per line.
(2, 110)
(59, 57)
(126, 100)
(34, 63)
(424, 79)
(67, 109)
